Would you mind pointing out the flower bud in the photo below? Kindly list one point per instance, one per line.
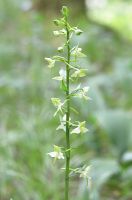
(78, 31)
(60, 49)
(56, 22)
(65, 11)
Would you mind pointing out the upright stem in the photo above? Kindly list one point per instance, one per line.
(67, 118)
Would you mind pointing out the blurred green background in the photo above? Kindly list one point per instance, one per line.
(27, 126)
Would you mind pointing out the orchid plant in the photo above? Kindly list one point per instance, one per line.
(68, 76)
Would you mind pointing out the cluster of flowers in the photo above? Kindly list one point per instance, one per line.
(76, 72)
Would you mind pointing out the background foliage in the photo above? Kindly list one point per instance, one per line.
(27, 128)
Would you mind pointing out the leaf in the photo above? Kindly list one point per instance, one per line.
(127, 157)
(116, 15)
(102, 170)
(117, 124)
(63, 86)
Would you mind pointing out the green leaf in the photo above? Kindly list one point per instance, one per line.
(117, 124)
(127, 157)
(63, 86)
(102, 170)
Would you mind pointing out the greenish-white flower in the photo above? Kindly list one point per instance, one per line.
(56, 101)
(62, 125)
(58, 104)
(63, 32)
(60, 32)
(82, 93)
(56, 33)
(62, 75)
(51, 62)
(77, 52)
(79, 73)
(78, 31)
(85, 173)
(56, 154)
(80, 128)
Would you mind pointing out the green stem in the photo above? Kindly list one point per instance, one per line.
(67, 171)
